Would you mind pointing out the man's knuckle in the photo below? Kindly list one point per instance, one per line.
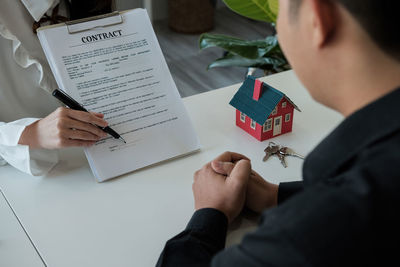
(224, 154)
(196, 174)
(207, 167)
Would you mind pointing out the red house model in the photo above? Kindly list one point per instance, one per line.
(261, 110)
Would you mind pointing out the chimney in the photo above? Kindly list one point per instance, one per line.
(257, 89)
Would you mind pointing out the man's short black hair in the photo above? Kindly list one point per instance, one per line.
(379, 18)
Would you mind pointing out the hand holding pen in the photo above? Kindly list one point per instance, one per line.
(71, 103)
(65, 127)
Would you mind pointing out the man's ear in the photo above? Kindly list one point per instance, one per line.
(324, 21)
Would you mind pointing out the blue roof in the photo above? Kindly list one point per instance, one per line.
(260, 110)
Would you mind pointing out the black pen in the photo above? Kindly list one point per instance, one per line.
(72, 104)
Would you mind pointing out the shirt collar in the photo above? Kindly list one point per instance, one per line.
(37, 8)
(364, 127)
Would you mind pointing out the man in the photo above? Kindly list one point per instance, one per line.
(347, 53)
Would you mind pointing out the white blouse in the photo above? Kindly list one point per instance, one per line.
(25, 84)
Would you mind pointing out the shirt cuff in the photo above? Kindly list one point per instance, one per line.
(210, 221)
(31, 161)
(287, 190)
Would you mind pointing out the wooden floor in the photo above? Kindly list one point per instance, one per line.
(188, 65)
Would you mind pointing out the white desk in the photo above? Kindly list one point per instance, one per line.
(15, 247)
(75, 221)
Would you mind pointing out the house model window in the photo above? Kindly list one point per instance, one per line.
(284, 105)
(253, 124)
(267, 126)
(242, 117)
(287, 117)
(274, 111)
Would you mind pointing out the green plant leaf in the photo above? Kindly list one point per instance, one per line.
(264, 10)
(266, 63)
(232, 44)
(249, 49)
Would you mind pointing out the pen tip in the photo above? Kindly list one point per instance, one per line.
(122, 139)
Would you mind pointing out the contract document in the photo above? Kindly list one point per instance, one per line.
(114, 65)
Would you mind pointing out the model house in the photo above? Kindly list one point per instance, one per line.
(263, 111)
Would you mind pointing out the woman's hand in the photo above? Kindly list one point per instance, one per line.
(64, 128)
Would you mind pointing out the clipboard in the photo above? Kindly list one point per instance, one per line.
(101, 21)
(86, 24)
(126, 78)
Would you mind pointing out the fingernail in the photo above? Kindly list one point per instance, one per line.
(217, 164)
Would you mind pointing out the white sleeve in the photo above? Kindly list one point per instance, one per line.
(32, 161)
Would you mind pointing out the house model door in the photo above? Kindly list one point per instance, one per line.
(277, 125)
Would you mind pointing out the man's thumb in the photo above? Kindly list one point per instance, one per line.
(240, 173)
(224, 168)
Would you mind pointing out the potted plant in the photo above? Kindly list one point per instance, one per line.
(264, 54)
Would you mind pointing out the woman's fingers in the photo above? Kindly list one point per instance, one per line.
(75, 142)
(64, 128)
(78, 128)
(84, 117)
(82, 123)
(80, 135)
(79, 125)
(97, 114)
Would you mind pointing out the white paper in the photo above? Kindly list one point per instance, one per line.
(120, 71)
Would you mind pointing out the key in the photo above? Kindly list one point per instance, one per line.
(272, 149)
(286, 151)
(282, 159)
(270, 146)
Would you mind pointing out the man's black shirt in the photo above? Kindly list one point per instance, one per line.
(344, 213)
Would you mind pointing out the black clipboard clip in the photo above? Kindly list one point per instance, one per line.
(101, 21)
